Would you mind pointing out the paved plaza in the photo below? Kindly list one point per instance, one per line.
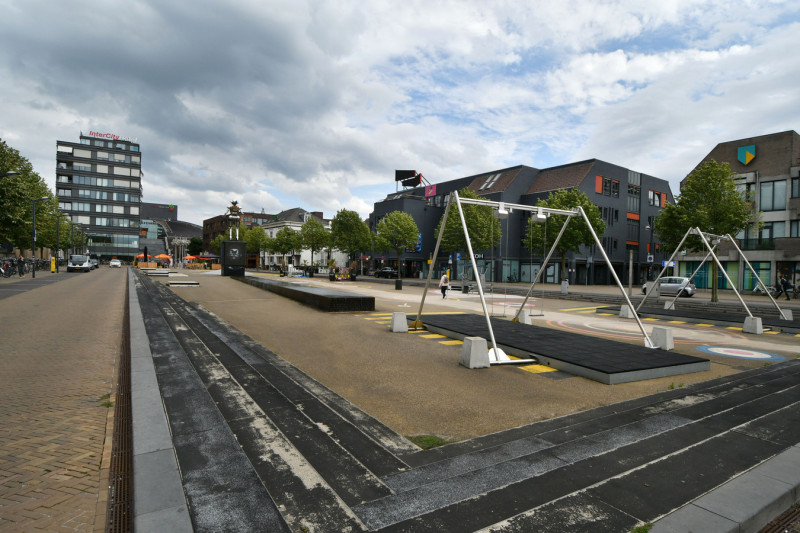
(330, 399)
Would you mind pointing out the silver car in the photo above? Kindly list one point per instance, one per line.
(671, 285)
(79, 262)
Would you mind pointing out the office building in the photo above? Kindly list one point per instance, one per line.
(99, 187)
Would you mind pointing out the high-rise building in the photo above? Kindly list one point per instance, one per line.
(99, 187)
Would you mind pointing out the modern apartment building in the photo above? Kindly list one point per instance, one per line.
(99, 187)
(628, 202)
(767, 167)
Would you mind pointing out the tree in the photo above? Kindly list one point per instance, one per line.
(286, 240)
(397, 231)
(256, 239)
(349, 234)
(16, 195)
(577, 233)
(711, 201)
(484, 229)
(195, 246)
(314, 237)
(216, 244)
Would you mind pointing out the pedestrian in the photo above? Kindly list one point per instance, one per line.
(785, 286)
(21, 266)
(444, 284)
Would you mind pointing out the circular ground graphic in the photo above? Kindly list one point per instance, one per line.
(740, 353)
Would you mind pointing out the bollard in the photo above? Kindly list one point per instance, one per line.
(752, 324)
(399, 322)
(662, 338)
(474, 353)
(626, 312)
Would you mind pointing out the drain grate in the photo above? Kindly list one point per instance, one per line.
(120, 479)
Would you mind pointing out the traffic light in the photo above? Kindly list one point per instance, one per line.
(400, 175)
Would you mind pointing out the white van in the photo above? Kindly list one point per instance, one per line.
(79, 262)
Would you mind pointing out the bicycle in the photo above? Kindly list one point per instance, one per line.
(512, 278)
(770, 289)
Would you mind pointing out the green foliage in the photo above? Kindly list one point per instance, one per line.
(286, 240)
(195, 246)
(216, 244)
(349, 234)
(16, 195)
(397, 231)
(484, 228)
(314, 236)
(426, 442)
(576, 234)
(644, 528)
(709, 200)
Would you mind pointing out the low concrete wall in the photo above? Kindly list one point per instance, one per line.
(324, 299)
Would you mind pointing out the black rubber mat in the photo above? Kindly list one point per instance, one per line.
(597, 354)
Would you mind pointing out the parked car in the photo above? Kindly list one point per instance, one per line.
(79, 262)
(386, 272)
(671, 285)
(115, 263)
(94, 262)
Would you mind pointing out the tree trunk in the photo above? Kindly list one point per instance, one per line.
(714, 293)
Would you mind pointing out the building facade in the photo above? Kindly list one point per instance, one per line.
(99, 187)
(767, 168)
(628, 202)
(294, 220)
(219, 225)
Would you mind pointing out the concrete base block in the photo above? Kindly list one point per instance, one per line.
(786, 314)
(626, 312)
(399, 322)
(525, 318)
(669, 305)
(752, 324)
(475, 353)
(662, 338)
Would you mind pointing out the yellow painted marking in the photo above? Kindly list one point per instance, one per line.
(451, 343)
(650, 319)
(705, 325)
(771, 332)
(734, 328)
(384, 322)
(433, 336)
(677, 322)
(797, 335)
(605, 314)
(538, 369)
(586, 312)
(582, 308)
(418, 331)
(376, 318)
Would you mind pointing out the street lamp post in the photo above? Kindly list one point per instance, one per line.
(33, 242)
(58, 238)
(651, 249)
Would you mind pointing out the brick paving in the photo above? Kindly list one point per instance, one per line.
(59, 349)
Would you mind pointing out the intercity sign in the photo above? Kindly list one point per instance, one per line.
(111, 136)
(745, 154)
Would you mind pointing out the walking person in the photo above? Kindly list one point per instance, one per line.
(444, 284)
(785, 286)
(21, 266)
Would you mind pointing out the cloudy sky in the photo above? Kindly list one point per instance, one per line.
(313, 104)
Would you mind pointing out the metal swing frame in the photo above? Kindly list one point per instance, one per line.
(705, 237)
(496, 355)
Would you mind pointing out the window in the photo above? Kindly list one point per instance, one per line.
(102, 208)
(634, 198)
(491, 180)
(118, 209)
(773, 195)
(63, 192)
(64, 149)
(66, 206)
(794, 228)
(634, 178)
(615, 189)
(81, 206)
(62, 179)
(102, 156)
(82, 153)
(81, 219)
(79, 166)
(134, 210)
(102, 169)
(654, 198)
(773, 230)
(795, 187)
